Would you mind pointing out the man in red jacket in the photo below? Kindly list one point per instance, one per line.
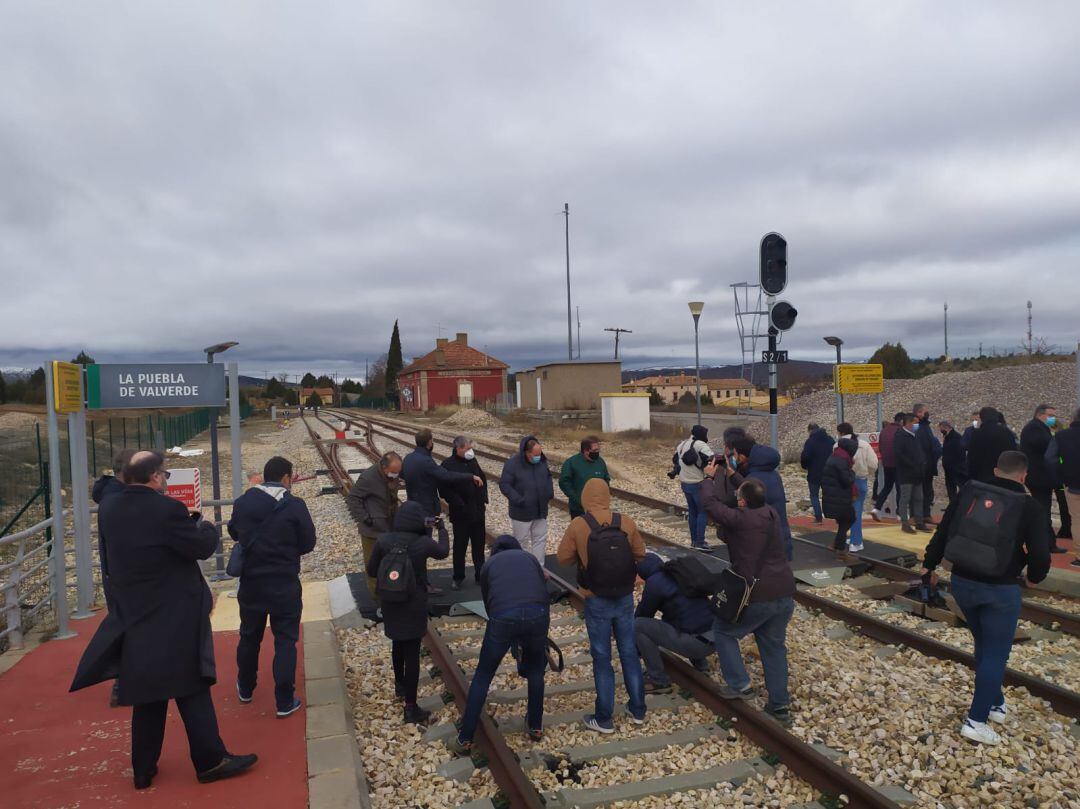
(888, 463)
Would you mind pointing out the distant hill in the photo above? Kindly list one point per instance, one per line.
(796, 369)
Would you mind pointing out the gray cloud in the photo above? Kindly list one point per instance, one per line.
(299, 179)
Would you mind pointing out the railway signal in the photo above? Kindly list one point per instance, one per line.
(782, 315)
(773, 270)
(773, 278)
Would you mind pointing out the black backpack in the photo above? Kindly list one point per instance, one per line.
(691, 457)
(983, 532)
(612, 570)
(396, 581)
(692, 577)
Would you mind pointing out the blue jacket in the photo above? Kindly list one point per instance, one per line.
(815, 452)
(105, 486)
(511, 578)
(528, 487)
(423, 477)
(275, 530)
(762, 464)
(661, 594)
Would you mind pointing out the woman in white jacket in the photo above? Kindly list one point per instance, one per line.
(865, 467)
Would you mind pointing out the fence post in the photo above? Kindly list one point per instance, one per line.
(59, 563)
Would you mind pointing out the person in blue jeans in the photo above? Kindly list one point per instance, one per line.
(690, 477)
(815, 453)
(515, 596)
(865, 466)
(611, 615)
(990, 599)
(754, 537)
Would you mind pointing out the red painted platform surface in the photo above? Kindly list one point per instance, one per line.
(72, 751)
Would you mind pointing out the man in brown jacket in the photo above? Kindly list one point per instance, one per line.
(756, 549)
(609, 604)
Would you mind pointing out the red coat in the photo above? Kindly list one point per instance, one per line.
(885, 445)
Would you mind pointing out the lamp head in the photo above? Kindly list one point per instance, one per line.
(834, 341)
(696, 307)
(217, 349)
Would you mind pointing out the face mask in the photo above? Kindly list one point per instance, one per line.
(469, 455)
(392, 475)
(534, 459)
(975, 424)
(592, 456)
(1051, 421)
(915, 427)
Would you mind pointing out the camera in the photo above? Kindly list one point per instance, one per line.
(433, 522)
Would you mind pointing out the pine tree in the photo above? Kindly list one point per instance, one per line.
(314, 400)
(308, 381)
(84, 359)
(895, 361)
(394, 363)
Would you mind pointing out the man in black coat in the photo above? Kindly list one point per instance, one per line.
(468, 506)
(953, 459)
(423, 476)
(372, 502)
(987, 443)
(815, 454)
(158, 639)
(924, 432)
(1063, 461)
(910, 474)
(1034, 441)
(275, 530)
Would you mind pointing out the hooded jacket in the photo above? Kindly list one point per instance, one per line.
(815, 453)
(275, 530)
(466, 500)
(838, 483)
(574, 547)
(886, 445)
(910, 458)
(661, 594)
(987, 443)
(104, 487)
(528, 487)
(408, 620)
(1063, 458)
(754, 540)
(864, 462)
(762, 464)
(511, 578)
(1034, 441)
(372, 502)
(423, 477)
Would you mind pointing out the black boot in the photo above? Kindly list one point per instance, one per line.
(144, 781)
(229, 766)
(415, 715)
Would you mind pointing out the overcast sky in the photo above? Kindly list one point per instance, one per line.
(296, 176)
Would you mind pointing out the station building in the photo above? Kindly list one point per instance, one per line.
(327, 395)
(672, 388)
(454, 373)
(567, 385)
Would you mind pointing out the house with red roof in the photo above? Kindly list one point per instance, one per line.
(454, 373)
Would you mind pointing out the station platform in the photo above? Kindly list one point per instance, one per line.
(73, 750)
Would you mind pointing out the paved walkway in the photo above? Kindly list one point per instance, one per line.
(68, 751)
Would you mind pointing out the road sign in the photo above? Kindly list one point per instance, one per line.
(859, 378)
(779, 357)
(874, 440)
(67, 387)
(185, 486)
(155, 385)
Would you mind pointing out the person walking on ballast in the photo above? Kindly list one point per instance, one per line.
(838, 490)
(527, 485)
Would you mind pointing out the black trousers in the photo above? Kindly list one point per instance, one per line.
(279, 602)
(1063, 510)
(883, 493)
(953, 482)
(406, 657)
(1043, 498)
(927, 495)
(468, 533)
(840, 540)
(200, 722)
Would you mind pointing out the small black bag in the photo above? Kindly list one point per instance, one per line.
(733, 591)
(691, 457)
(693, 578)
(982, 536)
(396, 580)
(612, 570)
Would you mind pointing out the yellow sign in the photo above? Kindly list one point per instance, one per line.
(67, 387)
(859, 378)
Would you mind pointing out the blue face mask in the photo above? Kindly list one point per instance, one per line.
(1051, 421)
(534, 458)
(915, 426)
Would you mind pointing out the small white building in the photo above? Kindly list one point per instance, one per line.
(624, 411)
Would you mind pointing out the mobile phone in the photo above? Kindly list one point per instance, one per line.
(431, 522)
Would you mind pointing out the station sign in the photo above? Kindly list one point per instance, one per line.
(185, 486)
(859, 378)
(67, 387)
(111, 387)
(774, 357)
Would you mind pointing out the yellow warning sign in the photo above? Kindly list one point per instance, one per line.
(859, 378)
(67, 387)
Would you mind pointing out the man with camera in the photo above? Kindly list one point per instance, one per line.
(689, 460)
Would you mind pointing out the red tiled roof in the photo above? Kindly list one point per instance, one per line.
(456, 356)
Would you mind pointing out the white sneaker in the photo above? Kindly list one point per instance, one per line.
(999, 713)
(875, 514)
(979, 732)
(856, 548)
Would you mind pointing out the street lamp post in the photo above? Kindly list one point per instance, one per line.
(695, 310)
(837, 342)
(215, 470)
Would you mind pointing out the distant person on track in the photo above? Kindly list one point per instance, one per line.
(399, 562)
(373, 502)
(528, 487)
(865, 466)
(761, 462)
(953, 459)
(887, 447)
(987, 443)
(516, 599)
(274, 529)
(1035, 440)
(839, 490)
(105, 487)
(689, 459)
(685, 621)
(158, 640)
(754, 538)
(1063, 459)
(606, 548)
(910, 474)
(423, 476)
(924, 432)
(815, 452)
(577, 470)
(468, 508)
(990, 534)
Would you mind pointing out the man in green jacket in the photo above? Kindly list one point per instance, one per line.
(579, 470)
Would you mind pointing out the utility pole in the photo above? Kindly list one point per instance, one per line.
(946, 331)
(1030, 345)
(618, 331)
(578, 332)
(569, 328)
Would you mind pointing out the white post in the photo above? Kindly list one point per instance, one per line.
(59, 573)
(234, 430)
(80, 509)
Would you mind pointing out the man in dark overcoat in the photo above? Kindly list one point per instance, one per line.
(156, 638)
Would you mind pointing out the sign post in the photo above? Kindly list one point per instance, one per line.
(111, 387)
(185, 485)
(234, 430)
(56, 550)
